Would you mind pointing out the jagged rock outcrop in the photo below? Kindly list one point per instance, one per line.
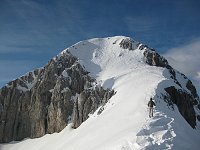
(192, 88)
(150, 55)
(187, 100)
(43, 101)
(87, 102)
(154, 59)
(128, 43)
(184, 102)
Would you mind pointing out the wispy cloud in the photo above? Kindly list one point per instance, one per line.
(140, 24)
(33, 26)
(186, 59)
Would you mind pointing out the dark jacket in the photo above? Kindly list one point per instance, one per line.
(151, 103)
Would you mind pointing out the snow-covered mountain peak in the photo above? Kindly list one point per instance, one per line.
(81, 77)
(104, 43)
(100, 54)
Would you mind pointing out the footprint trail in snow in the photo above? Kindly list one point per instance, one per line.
(156, 134)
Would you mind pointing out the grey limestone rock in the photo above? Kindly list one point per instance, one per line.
(154, 59)
(43, 101)
(128, 43)
(184, 102)
(150, 55)
(87, 103)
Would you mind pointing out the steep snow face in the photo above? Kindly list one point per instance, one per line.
(124, 123)
(105, 59)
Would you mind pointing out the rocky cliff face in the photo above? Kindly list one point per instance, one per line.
(186, 98)
(87, 102)
(43, 101)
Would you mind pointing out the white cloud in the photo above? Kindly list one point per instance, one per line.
(198, 75)
(186, 59)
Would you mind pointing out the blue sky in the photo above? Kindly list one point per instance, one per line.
(33, 31)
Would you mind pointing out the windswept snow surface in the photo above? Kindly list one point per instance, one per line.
(124, 124)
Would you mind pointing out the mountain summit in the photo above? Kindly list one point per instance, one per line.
(95, 94)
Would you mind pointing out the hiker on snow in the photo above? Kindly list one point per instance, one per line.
(150, 105)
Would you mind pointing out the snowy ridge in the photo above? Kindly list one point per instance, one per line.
(124, 123)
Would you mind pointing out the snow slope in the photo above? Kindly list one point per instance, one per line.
(124, 124)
